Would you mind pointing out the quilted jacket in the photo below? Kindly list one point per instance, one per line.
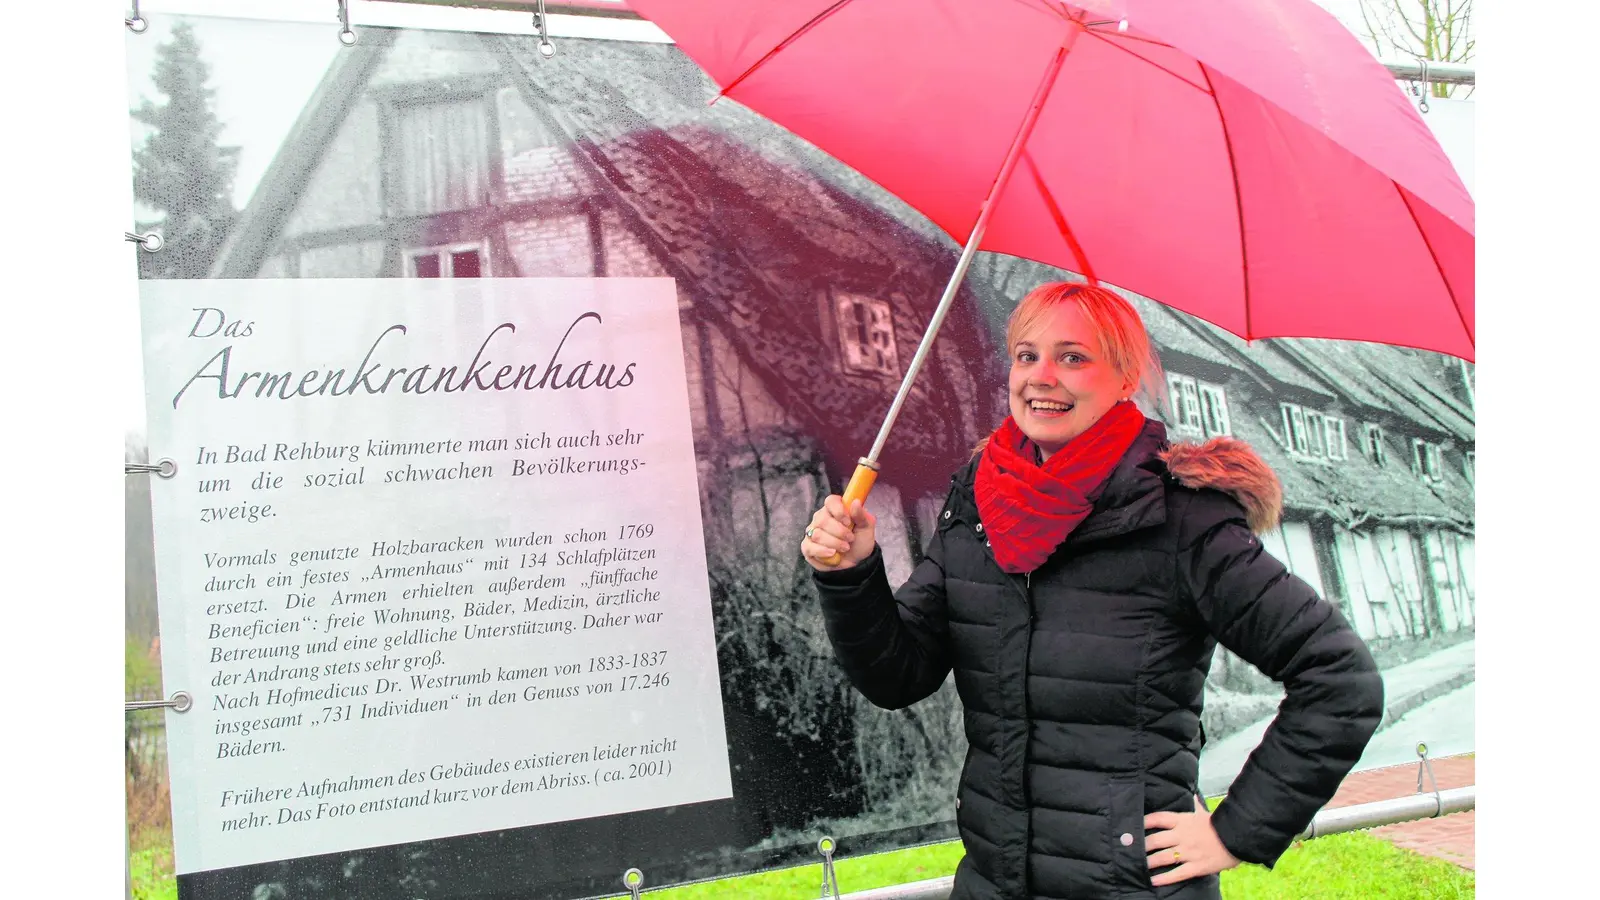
(1082, 681)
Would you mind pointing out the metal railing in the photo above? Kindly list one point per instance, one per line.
(1429, 805)
(1409, 70)
(1432, 72)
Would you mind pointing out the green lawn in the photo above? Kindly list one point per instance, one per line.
(1355, 866)
(152, 874)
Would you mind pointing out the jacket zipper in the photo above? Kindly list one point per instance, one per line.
(1027, 735)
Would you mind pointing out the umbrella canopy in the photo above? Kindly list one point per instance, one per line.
(1245, 161)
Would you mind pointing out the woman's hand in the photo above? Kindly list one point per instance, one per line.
(1187, 841)
(832, 530)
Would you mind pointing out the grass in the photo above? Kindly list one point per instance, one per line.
(857, 874)
(1355, 866)
(151, 869)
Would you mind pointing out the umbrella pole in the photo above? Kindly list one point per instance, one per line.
(866, 473)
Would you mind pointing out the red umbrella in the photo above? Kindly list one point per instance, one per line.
(1245, 161)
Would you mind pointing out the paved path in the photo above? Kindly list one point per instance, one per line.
(1444, 722)
(1445, 725)
(1429, 670)
(1449, 838)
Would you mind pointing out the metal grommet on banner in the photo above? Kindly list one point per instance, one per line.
(181, 702)
(150, 242)
(540, 24)
(830, 880)
(136, 23)
(166, 468)
(347, 35)
(633, 880)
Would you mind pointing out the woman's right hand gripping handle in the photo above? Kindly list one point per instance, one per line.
(833, 530)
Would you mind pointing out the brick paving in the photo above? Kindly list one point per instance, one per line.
(1449, 838)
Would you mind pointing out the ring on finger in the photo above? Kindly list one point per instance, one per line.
(811, 530)
(1176, 856)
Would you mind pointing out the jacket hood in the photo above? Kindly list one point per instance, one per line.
(1229, 465)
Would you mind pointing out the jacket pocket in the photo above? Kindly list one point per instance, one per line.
(1129, 867)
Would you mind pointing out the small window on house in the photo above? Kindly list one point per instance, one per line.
(866, 335)
(1214, 410)
(1294, 429)
(1316, 435)
(426, 265)
(1373, 445)
(439, 157)
(446, 262)
(466, 264)
(1185, 394)
(1426, 460)
(1333, 428)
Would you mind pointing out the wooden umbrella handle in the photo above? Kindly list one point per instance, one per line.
(866, 475)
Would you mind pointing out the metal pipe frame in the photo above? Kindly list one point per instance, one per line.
(1330, 821)
(1438, 72)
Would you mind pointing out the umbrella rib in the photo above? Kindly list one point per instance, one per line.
(1131, 37)
(1042, 6)
(797, 34)
(1148, 60)
(1084, 268)
(1454, 303)
(1238, 199)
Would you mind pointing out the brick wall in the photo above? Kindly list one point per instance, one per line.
(552, 248)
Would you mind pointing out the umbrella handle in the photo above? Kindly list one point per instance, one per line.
(866, 475)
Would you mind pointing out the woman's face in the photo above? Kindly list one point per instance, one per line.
(1060, 381)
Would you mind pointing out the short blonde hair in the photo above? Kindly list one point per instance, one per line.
(1116, 324)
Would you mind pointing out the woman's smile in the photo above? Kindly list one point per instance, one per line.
(1049, 409)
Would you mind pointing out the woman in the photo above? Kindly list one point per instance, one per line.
(1081, 575)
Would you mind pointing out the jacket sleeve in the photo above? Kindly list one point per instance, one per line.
(1276, 622)
(893, 645)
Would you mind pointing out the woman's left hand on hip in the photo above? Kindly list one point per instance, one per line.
(1186, 841)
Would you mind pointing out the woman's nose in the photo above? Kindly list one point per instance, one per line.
(1043, 373)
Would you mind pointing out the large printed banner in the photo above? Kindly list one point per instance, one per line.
(431, 562)
(435, 590)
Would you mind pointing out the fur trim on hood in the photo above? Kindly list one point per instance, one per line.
(1230, 466)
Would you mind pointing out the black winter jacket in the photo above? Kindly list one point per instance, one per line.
(1082, 681)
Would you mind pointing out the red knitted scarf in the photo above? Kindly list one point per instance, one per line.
(1028, 509)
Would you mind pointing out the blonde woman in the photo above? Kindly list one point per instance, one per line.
(1081, 576)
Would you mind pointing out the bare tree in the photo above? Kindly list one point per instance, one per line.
(1432, 30)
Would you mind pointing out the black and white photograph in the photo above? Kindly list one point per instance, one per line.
(803, 291)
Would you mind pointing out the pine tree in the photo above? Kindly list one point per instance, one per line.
(181, 169)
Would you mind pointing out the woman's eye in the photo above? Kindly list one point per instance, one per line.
(1074, 358)
(1026, 356)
